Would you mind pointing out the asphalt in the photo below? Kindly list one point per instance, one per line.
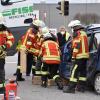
(28, 91)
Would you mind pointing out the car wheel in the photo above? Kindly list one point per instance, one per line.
(97, 83)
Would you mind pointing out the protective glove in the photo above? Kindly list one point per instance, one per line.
(3, 47)
(26, 51)
(3, 54)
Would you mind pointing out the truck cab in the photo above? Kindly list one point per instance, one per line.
(15, 12)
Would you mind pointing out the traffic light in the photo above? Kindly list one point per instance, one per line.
(66, 8)
(59, 7)
(5, 2)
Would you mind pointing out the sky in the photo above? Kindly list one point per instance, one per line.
(71, 1)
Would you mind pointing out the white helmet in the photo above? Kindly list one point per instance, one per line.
(39, 23)
(47, 35)
(74, 23)
(2, 21)
(45, 30)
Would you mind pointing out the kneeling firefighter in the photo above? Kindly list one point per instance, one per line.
(6, 41)
(50, 54)
(37, 68)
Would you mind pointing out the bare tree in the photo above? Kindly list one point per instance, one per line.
(87, 18)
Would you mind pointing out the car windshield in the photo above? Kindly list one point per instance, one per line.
(97, 36)
(93, 32)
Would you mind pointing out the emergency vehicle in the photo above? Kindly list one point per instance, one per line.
(15, 12)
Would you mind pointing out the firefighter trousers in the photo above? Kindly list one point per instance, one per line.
(79, 72)
(49, 71)
(29, 63)
(18, 71)
(36, 68)
(2, 75)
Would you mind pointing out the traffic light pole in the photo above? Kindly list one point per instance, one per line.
(62, 7)
(65, 21)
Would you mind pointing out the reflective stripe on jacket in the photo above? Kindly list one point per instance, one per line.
(29, 41)
(80, 46)
(50, 52)
(6, 39)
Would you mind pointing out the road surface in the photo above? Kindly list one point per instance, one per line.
(27, 91)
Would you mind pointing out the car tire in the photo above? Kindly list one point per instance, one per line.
(97, 83)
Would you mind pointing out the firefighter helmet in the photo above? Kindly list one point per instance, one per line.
(45, 30)
(74, 23)
(47, 35)
(38, 23)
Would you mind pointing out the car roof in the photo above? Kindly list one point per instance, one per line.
(93, 28)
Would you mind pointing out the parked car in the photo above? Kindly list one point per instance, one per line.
(93, 69)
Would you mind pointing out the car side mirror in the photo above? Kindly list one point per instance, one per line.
(28, 21)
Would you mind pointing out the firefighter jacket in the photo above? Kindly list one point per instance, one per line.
(33, 44)
(50, 52)
(6, 39)
(80, 46)
(29, 36)
(28, 42)
(20, 44)
(35, 47)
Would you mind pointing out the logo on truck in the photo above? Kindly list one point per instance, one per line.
(18, 11)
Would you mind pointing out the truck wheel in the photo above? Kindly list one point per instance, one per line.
(97, 83)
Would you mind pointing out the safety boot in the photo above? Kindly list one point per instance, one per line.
(44, 81)
(70, 88)
(15, 73)
(81, 87)
(44, 84)
(59, 83)
(19, 76)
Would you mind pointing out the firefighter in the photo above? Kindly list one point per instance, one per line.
(36, 68)
(50, 54)
(28, 44)
(80, 56)
(6, 41)
(39, 62)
